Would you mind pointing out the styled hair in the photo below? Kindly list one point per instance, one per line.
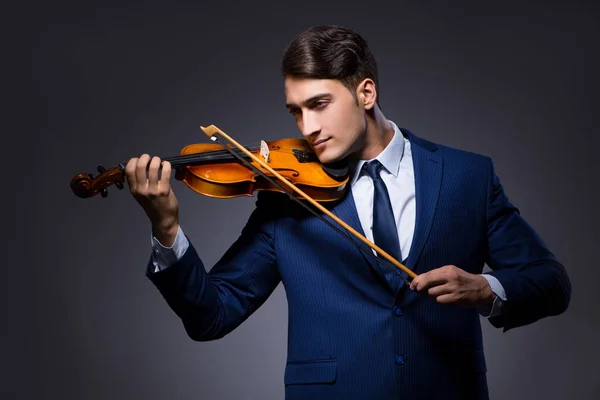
(330, 52)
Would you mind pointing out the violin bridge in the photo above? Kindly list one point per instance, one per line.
(264, 150)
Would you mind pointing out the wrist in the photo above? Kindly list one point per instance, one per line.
(166, 233)
(486, 293)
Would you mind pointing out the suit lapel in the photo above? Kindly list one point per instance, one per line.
(345, 210)
(428, 166)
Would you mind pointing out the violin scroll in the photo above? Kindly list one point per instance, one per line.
(85, 185)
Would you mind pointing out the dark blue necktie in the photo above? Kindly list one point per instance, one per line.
(385, 232)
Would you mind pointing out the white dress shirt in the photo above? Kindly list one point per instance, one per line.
(398, 175)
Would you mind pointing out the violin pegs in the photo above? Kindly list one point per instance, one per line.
(100, 168)
(118, 184)
(104, 192)
(91, 176)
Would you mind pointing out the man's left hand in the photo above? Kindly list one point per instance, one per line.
(452, 285)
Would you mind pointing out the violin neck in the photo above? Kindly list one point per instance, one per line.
(204, 158)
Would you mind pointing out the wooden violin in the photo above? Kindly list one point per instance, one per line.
(213, 171)
(222, 171)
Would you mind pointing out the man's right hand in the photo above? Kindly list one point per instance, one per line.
(153, 192)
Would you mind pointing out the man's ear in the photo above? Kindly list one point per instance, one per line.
(366, 93)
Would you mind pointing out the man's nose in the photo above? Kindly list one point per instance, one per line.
(310, 124)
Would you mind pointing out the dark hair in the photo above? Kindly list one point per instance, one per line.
(330, 52)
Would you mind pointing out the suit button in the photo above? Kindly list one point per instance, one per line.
(397, 311)
(399, 359)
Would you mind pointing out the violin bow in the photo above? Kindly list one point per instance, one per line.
(211, 131)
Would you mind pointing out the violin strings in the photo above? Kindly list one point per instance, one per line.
(215, 155)
(196, 158)
(361, 246)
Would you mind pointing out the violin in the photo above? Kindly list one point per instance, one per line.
(222, 171)
(210, 170)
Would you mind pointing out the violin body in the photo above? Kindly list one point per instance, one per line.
(291, 158)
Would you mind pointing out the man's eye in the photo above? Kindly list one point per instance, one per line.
(320, 104)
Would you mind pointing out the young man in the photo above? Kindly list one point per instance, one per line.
(357, 330)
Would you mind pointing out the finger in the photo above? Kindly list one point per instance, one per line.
(440, 290)
(130, 173)
(417, 280)
(451, 272)
(449, 298)
(428, 279)
(165, 179)
(441, 275)
(153, 173)
(140, 171)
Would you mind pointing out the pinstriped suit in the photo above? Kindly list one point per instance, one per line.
(353, 333)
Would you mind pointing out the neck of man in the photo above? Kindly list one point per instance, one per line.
(378, 134)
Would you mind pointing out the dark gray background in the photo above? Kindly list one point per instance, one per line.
(88, 83)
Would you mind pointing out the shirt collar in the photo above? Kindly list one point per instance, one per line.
(390, 157)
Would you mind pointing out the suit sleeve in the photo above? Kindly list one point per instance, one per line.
(212, 304)
(535, 282)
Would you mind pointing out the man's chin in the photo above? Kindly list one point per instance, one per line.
(328, 156)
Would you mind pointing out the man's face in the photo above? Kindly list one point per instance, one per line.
(328, 116)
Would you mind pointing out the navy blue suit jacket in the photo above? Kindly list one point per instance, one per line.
(354, 331)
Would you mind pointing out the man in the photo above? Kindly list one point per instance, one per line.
(356, 329)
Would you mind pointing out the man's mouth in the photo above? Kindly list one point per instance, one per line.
(319, 143)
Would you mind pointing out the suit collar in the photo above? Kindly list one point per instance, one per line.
(415, 140)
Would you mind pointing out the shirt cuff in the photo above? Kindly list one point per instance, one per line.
(163, 257)
(497, 306)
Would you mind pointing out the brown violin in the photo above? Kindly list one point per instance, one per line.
(219, 171)
(212, 170)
